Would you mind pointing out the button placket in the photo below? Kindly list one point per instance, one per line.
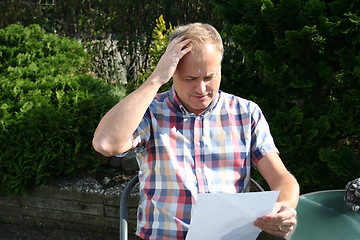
(198, 154)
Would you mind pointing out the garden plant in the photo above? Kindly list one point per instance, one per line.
(300, 61)
(50, 105)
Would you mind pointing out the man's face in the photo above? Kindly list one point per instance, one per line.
(197, 78)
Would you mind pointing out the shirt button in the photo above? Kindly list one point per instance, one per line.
(198, 144)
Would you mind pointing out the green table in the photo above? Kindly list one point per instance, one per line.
(325, 215)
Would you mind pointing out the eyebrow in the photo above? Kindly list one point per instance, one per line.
(208, 76)
(211, 75)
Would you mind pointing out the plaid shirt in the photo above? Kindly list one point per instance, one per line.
(181, 154)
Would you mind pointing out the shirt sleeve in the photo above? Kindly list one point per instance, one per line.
(141, 134)
(262, 142)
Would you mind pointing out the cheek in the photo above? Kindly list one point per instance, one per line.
(214, 85)
(182, 89)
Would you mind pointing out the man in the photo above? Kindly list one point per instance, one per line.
(194, 139)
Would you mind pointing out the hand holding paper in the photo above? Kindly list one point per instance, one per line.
(223, 216)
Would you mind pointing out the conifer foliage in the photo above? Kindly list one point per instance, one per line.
(49, 108)
(300, 60)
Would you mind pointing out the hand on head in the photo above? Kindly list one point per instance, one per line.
(169, 61)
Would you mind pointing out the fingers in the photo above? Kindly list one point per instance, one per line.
(179, 46)
(281, 223)
(169, 61)
(276, 224)
(280, 231)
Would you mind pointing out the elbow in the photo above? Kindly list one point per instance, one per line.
(102, 147)
(108, 147)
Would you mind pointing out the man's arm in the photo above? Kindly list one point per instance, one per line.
(114, 132)
(279, 178)
(283, 218)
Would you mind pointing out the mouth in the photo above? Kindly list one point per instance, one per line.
(200, 97)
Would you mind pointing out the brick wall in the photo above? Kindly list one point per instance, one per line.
(68, 209)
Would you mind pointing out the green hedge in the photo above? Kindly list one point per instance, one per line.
(50, 106)
(118, 32)
(300, 60)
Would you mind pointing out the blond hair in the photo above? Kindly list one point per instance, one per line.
(199, 33)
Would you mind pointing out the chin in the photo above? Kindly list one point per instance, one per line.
(200, 109)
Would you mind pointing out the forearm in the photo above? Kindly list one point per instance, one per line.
(115, 129)
(288, 187)
(282, 220)
(279, 178)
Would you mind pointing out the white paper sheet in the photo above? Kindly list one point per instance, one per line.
(224, 216)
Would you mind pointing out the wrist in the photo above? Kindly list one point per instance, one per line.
(288, 202)
(158, 79)
(153, 82)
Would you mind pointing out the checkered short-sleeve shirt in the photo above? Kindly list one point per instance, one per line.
(181, 154)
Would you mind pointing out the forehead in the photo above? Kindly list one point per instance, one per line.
(205, 59)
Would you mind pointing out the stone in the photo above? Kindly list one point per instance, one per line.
(129, 162)
(352, 194)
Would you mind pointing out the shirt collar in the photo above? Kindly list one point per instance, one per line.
(177, 103)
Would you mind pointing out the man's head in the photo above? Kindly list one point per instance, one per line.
(198, 74)
(199, 33)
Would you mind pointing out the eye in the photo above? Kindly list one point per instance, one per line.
(190, 78)
(209, 78)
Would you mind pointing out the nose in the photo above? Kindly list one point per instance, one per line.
(200, 86)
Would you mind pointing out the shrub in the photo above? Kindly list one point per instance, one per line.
(119, 31)
(299, 59)
(50, 106)
(160, 40)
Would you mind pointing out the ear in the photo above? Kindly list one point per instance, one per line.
(176, 74)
